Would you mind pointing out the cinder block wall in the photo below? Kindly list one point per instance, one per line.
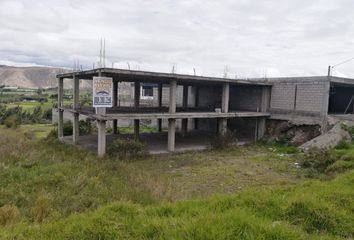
(299, 97)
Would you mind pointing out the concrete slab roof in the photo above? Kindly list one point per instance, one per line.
(310, 79)
(349, 82)
(157, 77)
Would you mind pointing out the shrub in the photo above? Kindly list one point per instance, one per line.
(9, 215)
(124, 148)
(85, 127)
(350, 130)
(47, 114)
(317, 161)
(222, 141)
(340, 166)
(284, 139)
(344, 144)
(68, 128)
(41, 208)
(11, 121)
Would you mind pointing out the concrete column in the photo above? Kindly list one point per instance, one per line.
(325, 103)
(225, 97)
(76, 98)
(196, 105)
(224, 108)
(115, 104)
(261, 122)
(159, 96)
(173, 92)
(185, 106)
(136, 105)
(172, 122)
(101, 147)
(171, 135)
(60, 111)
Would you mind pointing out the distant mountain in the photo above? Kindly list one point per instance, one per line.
(34, 77)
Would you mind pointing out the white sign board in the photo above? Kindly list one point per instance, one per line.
(102, 92)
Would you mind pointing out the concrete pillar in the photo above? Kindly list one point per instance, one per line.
(60, 111)
(261, 122)
(224, 108)
(159, 97)
(136, 105)
(225, 97)
(196, 105)
(76, 98)
(173, 91)
(101, 147)
(115, 104)
(172, 122)
(185, 106)
(325, 103)
(171, 135)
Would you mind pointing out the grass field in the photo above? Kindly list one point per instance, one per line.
(30, 106)
(54, 191)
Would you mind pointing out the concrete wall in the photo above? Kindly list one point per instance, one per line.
(299, 100)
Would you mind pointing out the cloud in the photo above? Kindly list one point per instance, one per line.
(280, 38)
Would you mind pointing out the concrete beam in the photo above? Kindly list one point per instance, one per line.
(136, 105)
(60, 111)
(101, 147)
(185, 106)
(171, 135)
(76, 104)
(159, 97)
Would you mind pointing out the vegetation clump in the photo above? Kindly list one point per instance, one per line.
(127, 148)
(9, 215)
(222, 141)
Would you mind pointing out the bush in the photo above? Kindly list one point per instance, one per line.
(41, 208)
(340, 166)
(222, 141)
(318, 159)
(344, 144)
(85, 127)
(47, 114)
(350, 130)
(127, 148)
(9, 215)
(11, 121)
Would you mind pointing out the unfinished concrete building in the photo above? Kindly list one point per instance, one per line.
(193, 108)
(206, 105)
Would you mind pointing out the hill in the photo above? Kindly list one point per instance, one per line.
(29, 77)
(33, 77)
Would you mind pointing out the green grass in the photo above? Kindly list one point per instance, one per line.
(315, 210)
(30, 106)
(49, 190)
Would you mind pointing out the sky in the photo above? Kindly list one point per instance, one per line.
(239, 38)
